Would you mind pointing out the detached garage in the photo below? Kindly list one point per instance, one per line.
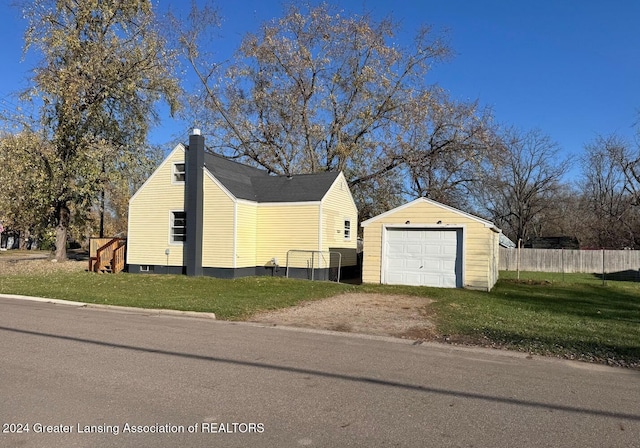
(426, 243)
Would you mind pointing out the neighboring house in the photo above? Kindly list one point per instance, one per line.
(506, 242)
(203, 214)
(426, 243)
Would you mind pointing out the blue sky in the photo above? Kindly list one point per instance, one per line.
(570, 68)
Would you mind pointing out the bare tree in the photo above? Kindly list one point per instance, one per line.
(448, 143)
(523, 184)
(610, 196)
(317, 90)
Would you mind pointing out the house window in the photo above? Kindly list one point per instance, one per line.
(178, 172)
(178, 226)
(347, 229)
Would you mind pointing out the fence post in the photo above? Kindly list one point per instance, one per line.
(603, 282)
(518, 259)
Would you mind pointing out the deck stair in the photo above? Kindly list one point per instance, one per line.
(107, 255)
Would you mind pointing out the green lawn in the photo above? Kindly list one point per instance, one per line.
(228, 299)
(573, 316)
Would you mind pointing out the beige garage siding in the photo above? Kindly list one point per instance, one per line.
(479, 239)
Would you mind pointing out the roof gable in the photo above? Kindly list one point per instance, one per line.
(178, 148)
(433, 203)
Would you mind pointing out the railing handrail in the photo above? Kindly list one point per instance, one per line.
(106, 252)
(118, 259)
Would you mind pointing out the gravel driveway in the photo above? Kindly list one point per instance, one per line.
(376, 314)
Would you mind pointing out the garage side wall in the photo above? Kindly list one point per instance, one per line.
(478, 241)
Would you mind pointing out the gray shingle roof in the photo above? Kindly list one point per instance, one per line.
(254, 184)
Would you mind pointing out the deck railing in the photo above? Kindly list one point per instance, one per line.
(107, 254)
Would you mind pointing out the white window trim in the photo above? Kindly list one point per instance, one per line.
(344, 229)
(171, 218)
(174, 172)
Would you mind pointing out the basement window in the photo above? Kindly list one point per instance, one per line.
(178, 172)
(178, 227)
(347, 229)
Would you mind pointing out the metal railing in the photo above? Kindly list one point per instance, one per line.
(314, 264)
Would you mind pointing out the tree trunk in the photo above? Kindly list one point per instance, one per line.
(102, 212)
(63, 215)
(23, 239)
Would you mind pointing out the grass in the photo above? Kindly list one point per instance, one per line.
(578, 318)
(573, 316)
(228, 299)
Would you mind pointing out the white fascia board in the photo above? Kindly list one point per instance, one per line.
(320, 227)
(277, 204)
(282, 204)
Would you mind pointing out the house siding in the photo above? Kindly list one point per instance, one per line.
(247, 221)
(282, 227)
(150, 214)
(337, 206)
(218, 227)
(478, 242)
(239, 237)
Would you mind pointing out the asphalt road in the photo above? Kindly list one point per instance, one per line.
(118, 379)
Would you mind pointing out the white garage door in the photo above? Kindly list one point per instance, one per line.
(423, 257)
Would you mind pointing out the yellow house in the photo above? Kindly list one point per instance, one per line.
(202, 214)
(427, 243)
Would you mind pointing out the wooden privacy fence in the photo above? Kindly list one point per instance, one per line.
(568, 260)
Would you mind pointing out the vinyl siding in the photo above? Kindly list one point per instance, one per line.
(285, 227)
(149, 216)
(478, 242)
(337, 206)
(247, 214)
(218, 227)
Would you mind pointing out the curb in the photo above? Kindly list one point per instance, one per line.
(153, 311)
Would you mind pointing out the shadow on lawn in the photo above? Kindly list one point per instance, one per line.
(630, 275)
(615, 355)
(583, 300)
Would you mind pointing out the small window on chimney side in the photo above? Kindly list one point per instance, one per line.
(178, 172)
(178, 227)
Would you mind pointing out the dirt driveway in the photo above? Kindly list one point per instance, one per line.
(376, 314)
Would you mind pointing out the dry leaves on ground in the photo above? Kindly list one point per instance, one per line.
(40, 267)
